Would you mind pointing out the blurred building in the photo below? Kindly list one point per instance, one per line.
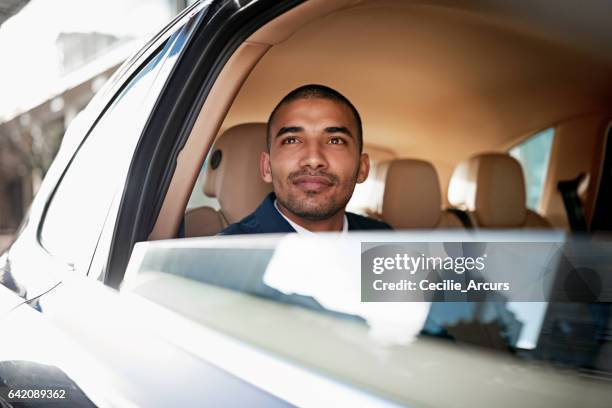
(30, 134)
(10, 186)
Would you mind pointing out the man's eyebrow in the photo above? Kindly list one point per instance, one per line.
(289, 129)
(339, 129)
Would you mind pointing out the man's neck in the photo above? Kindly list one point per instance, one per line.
(334, 223)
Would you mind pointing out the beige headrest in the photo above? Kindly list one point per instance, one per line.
(412, 196)
(203, 222)
(235, 180)
(492, 186)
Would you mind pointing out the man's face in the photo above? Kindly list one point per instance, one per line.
(314, 160)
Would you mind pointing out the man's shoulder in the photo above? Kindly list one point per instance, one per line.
(265, 219)
(359, 222)
(247, 225)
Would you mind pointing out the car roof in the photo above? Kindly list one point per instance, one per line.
(473, 77)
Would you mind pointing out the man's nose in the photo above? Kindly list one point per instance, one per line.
(313, 156)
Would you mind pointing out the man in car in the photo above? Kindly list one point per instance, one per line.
(314, 159)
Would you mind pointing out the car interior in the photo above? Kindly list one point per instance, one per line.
(448, 93)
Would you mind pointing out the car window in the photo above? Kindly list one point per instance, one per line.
(534, 155)
(317, 301)
(368, 196)
(80, 204)
(198, 198)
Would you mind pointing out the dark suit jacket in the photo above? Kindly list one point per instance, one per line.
(267, 219)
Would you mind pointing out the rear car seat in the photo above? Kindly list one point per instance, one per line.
(232, 176)
(412, 197)
(490, 187)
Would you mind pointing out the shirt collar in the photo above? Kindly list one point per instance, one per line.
(301, 230)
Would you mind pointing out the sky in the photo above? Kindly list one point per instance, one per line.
(29, 64)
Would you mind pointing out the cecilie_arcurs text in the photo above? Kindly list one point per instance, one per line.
(443, 285)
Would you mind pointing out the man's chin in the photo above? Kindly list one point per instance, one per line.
(314, 214)
(314, 207)
(314, 199)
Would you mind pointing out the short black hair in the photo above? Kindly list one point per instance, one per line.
(312, 91)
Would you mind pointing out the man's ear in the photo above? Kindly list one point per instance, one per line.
(364, 168)
(264, 167)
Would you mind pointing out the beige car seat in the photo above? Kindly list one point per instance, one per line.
(232, 176)
(412, 197)
(490, 187)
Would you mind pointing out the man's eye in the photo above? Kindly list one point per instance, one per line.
(336, 140)
(289, 140)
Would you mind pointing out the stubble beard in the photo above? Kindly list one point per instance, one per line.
(308, 209)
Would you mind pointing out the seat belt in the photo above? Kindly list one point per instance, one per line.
(572, 203)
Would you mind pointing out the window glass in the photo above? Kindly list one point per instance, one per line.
(534, 155)
(81, 203)
(308, 309)
(198, 198)
(367, 196)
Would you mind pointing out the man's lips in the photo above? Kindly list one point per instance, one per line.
(312, 182)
